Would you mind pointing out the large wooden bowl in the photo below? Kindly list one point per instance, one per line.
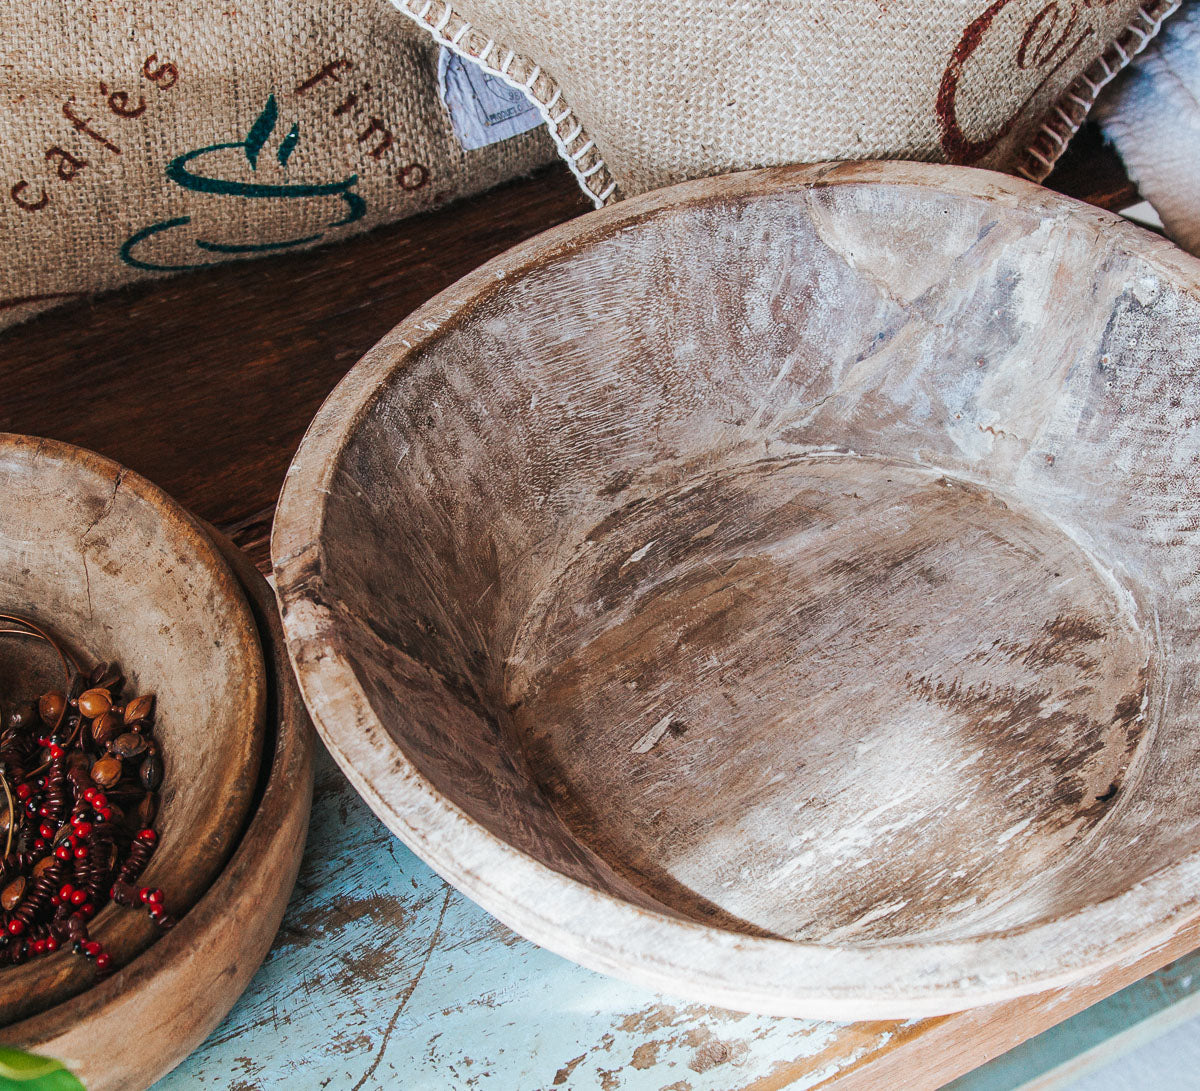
(108, 561)
(140, 1023)
(781, 590)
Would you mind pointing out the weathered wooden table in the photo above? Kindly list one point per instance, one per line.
(383, 976)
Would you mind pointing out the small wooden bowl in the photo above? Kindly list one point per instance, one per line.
(781, 589)
(93, 551)
(133, 1028)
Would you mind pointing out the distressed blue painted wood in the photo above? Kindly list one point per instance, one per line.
(1137, 1013)
(385, 977)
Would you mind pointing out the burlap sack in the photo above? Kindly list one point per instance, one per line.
(641, 94)
(170, 135)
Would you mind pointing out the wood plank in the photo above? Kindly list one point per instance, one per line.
(205, 383)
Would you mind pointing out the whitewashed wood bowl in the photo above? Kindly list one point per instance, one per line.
(780, 590)
(137, 1025)
(120, 572)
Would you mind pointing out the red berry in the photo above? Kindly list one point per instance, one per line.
(90, 794)
(43, 740)
(44, 810)
(51, 943)
(99, 800)
(37, 946)
(87, 910)
(24, 792)
(157, 912)
(56, 752)
(16, 926)
(65, 890)
(102, 961)
(91, 947)
(63, 852)
(81, 853)
(55, 900)
(149, 836)
(46, 830)
(78, 897)
(155, 897)
(38, 845)
(105, 813)
(144, 894)
(82, 827)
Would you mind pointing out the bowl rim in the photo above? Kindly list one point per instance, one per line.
(665, 952)
(256, 882)
(227, 817)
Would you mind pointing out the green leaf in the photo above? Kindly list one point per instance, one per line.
(260, 131)
(25, 1072)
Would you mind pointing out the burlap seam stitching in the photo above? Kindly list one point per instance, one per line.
(576, 148)
(1035, 162)
(1075, 103)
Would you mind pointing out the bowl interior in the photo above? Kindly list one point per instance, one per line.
(117, 570)
(815, 562)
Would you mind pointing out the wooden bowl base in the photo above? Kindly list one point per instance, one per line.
(959, 704)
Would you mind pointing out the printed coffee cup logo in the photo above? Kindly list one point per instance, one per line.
(1035, 41)
(231, 169)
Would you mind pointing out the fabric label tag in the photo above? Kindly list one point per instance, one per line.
(483, 108)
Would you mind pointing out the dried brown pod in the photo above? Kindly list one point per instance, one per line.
(106, 727)
(140, 708)
(106, 771)
(128, 745)
(150, 772)
(11, 895)
(51, 707)
(95, 702)
(20, 716)
(147, 810)
(43, 865)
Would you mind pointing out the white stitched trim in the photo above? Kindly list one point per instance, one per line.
(1101, 72)
(574, 132)
(425, 9)
(584, 150)
(1041, 158)
(543, 108)
(508, 60)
